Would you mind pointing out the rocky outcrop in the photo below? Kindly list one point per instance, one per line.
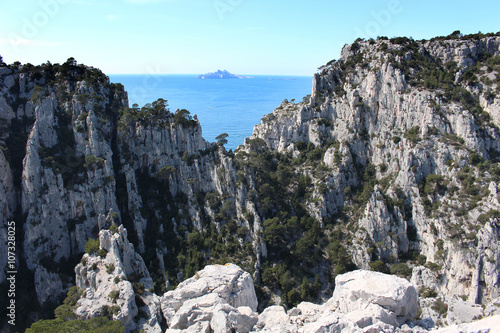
(116, 282)
(391, 164)
(359, 290)
(217, 299)
(401, 142)
(221, 75)
(363, 301)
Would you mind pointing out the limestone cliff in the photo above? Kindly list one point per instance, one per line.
(391, 165)
(409, 138)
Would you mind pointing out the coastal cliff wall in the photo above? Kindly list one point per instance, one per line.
(390, 165)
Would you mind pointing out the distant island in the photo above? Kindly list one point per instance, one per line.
(221, 75)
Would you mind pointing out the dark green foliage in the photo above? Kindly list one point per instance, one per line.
(492, 213)
(433, 184)
(110, 268)
(400, 269)
(38, 94)
(156, 113)
(430, 188)
(433, 266)
(92, 246)
(114, 295)
(413, 134)
(257, 144)
(338, 255)
(183, 117)
(362, 193)
(65, 311)
(94, 325)
(379, 266)
(325, 122)
(222, 139)
(139, 288)
(67, 321)
(421, 259)
(113, 229)
(440, 307)
(93, 162)
(427, 292)
(102, 253)
(475, 159)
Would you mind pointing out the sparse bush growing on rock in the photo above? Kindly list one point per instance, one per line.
(102, 253)
(92, 246)
(400, 269)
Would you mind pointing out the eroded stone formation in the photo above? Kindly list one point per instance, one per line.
(391, 165)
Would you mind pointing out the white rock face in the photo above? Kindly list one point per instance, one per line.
(365, 115)
(358, 290)
(274, 319)
(490, 325)
(223, 296)
(363, 301)
(107, 284)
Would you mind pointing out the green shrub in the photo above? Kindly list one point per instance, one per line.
(65, 311)
(166, 171)
(92, 246)
(421, 259)
(114, 295)
(110, 268)
(379, 266)
(113, 229)
(427, 292)
(475, 159)
(139, 288)
(102, 253)
(94, 325)
(440, 307)
(93, 162)
(400, 269)
(433, 266)
(413, 134)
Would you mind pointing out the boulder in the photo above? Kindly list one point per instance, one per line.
(395, 298)
(222, 296)
(274, 319)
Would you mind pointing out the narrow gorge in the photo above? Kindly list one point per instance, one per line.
(390, 165)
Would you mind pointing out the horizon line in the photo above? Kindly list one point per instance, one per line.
(205, 73)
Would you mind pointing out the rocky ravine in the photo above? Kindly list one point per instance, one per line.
(431, 143)
(222, 299)
(390, 165)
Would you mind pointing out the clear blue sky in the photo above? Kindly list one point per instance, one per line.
(242, 36)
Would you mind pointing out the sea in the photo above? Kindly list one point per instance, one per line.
(231, 106)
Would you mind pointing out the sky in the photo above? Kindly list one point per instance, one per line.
(291, 37)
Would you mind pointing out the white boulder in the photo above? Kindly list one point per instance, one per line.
(395, 299)
(222, 296)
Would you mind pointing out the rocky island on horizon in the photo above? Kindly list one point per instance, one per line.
(391, 165)
(221, 75)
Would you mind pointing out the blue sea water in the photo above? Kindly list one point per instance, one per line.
(231, 106)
